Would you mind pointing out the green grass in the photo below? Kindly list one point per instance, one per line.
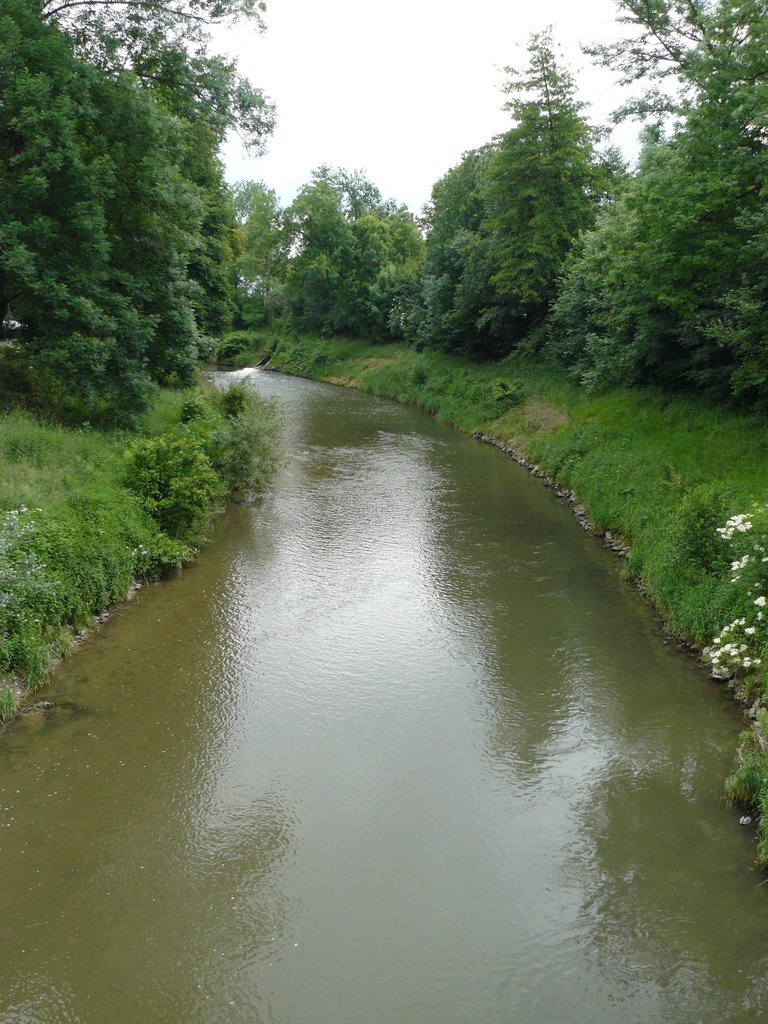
(79, 522)
(42, 463)
(9, 704)
(662, 472)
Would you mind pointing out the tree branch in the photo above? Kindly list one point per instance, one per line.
(187, 15)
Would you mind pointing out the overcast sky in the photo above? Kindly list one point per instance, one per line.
(400, 89)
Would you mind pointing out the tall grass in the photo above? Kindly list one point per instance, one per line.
(84, 513)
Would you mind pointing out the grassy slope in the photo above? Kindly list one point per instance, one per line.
(73, 536)
(661, 472)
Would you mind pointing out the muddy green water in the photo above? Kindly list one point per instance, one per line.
(400, 749)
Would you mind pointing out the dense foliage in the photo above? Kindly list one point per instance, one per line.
(123, 254)
(542, 238)
(110, 508)
(339, 259)
(116, 228)
(669, 287)
(498, 228)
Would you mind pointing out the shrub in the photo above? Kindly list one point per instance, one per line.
(241, 447)
(741, 644)
(193, 407)
(25, 585)
(231, 348)
(695, 548)
(175, 481)
(234, 400)
(506, 393)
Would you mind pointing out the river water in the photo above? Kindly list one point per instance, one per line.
(401, 748)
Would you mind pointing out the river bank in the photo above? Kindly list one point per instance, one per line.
(655, 476)
(88, 515)
(404, 703)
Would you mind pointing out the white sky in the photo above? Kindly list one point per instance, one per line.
(401, 89)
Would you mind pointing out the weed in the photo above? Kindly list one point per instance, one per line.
(82, 519)
(9, 704)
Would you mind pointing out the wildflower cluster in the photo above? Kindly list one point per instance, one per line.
(21, 572)
(740, 645)
(736, 524)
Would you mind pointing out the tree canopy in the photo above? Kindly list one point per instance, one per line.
(670, 287)
(115, 225)
(123, 252)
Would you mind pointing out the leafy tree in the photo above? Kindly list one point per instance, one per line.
(545, 182)
(260, 268)
(458, 262)
(83, 341)
(114, 225)
(358, 195)
(318, 237)
(165, 44)
(671, 286)
(502, 222)
(350, 256)
(685, 50)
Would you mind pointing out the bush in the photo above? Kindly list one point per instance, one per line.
(741, 644)
(233, 401)
(231, 348)
(241, 447)
(695, 549)
(175, 481)
(108, 517)
(193, 407)
(506, 393)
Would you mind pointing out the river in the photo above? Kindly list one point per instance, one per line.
(401, 748)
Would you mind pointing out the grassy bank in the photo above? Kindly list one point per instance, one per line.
(84, 514)
(664, 474)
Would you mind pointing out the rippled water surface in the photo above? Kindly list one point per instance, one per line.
(400, 749)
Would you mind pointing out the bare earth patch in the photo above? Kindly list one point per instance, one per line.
(540, 417)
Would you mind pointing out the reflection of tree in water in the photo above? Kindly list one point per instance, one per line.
(153, 872)
(613, 749)
(663, 884)
(536, 581)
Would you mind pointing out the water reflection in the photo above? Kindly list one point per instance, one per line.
(401, 747)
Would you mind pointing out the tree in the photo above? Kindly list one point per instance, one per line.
(350, 256)
(681, 299)
(81, 353)
(165, 44)
(260, 268)
(317, 235)
(686, 50)
(458, 263)
(113, 229)
(545, 182)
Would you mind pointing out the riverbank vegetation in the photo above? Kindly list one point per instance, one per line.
(87, 513)
(117, 236)
(608, 323)
(664, 473)
(116, 226)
